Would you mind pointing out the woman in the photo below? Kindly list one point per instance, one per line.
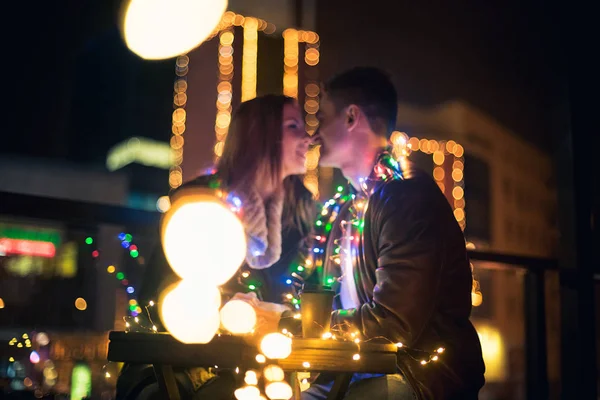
(263, 155)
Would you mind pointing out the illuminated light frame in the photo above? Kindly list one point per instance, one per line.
(225, 31)
(224, 88)
(249, 59)
(440, 150)
(178, 120)
(292, 39)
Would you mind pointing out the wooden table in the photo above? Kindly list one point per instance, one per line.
(164, 352)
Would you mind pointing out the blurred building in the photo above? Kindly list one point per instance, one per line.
(509, 207)
(509, 181)
(63, 286)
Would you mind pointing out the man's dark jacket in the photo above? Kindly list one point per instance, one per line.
(413, 279)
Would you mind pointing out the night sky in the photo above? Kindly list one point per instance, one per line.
(499, 56)
(74, 83)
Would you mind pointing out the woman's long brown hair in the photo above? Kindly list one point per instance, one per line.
(253, 146)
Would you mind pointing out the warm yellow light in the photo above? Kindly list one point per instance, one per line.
(238, 317)
(190, 311)
(261, 358)
(494, 352)
(459, 150)
(276, 346)
(438, 157)
(203, 240)
(251, 378)
(159, 29)
(80, 304)
(249, 58)
(279, 391)
(459, 214)
(458, 192)
(110, 269)
(476, 299)
(306, 364)
(457, 175)
(163, 203)
(356, 357)
(273, 373)
(438, 173)
(247, 393)
(1, 303)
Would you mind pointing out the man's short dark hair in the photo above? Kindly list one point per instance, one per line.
(372, 90)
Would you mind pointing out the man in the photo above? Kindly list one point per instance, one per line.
(408, 279)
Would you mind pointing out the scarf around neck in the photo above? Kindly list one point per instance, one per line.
(262, 223)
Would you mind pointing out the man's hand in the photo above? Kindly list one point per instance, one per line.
(267, 314)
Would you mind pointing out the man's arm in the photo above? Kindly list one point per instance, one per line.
(408, 239)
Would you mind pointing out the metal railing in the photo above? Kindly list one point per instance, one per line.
(536, 362)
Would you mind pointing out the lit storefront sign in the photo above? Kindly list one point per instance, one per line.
(27, 250)
(26, 247)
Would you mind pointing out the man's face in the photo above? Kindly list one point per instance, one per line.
(333, 133)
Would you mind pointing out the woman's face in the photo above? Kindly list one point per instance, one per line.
(295, 141)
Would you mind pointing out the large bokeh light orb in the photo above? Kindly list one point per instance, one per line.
(276, 345)
(279, 391)
(238, 317)
(160, 29)
(190, 312)
(202, 238)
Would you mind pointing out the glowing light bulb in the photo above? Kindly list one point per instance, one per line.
(80, 304)
(191, 313)
(273, 373)
(34, 357)
(159, 29)
(276, 346)
(279, 391)
(202, 239)
(238, 317)
(261, 358)
(247, 393)
(251, 378)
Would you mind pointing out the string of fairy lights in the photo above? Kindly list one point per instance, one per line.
(278, 345)
(225, 30)
(126, 242)
(447, 156)
(311, 106)
(178, 120)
